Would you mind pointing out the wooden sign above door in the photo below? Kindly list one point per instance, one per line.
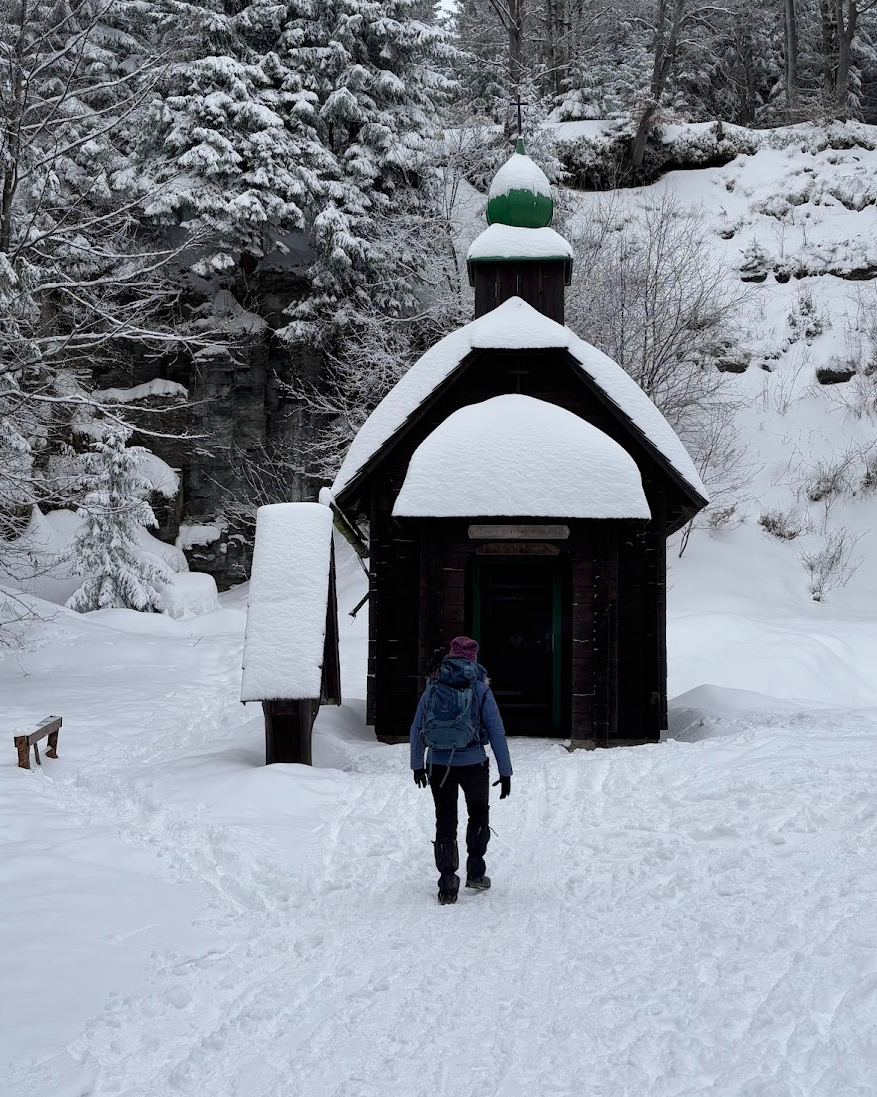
(518, 533)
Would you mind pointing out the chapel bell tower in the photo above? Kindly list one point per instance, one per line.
(519, 254)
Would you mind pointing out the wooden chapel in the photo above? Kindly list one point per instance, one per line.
(518, 486)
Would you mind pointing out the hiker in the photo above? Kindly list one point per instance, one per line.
(457, 714)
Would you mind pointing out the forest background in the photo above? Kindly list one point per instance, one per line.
(227, 228)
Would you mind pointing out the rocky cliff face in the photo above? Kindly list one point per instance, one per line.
(236, 414)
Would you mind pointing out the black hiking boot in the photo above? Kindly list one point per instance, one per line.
(477, 837)
(479, 883)
(447, 861)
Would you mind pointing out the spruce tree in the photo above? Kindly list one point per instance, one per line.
(235, 143)
(379, 75)
(106, 546)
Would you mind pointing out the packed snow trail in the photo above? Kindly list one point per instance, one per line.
(664, 920)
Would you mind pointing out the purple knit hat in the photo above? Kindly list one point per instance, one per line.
(463, 647)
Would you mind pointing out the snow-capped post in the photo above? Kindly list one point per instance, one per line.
(291, 660)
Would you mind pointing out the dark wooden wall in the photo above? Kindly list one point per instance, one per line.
(540, 284)
(594, 609)
(613, 649)
(394, 618)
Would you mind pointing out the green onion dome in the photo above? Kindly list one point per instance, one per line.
(520, 193)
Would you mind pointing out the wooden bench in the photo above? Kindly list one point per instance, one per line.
(46, 729)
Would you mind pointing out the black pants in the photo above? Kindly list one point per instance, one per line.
(475, 782)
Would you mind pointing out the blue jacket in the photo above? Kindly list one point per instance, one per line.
(491, 721)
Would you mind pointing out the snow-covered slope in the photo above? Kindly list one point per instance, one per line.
(797, 218)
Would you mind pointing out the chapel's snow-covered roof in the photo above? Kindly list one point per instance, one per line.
(289, 592)
(516, 456)
(512, 242)
(513, 325)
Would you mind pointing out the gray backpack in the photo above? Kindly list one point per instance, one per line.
(451, 719)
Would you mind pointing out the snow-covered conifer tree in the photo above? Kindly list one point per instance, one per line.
(236, 147)
(81, 282)
(379, 74)
(106, 546)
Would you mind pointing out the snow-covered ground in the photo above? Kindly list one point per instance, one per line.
(691, 917)
(667, 921)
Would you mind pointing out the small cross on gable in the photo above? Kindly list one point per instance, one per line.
(519, 374)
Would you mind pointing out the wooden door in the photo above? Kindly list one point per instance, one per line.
(516, 619)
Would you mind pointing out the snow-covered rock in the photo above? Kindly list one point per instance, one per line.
(170, 555)
(289, 591)
(162, 478)
(520, 457)
(39, 563)
(195, 536)
(234, 317)
(188, 594)
(157, 387)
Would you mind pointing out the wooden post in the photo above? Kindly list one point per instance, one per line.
(288, 726)
(23, 748)
(330, 693)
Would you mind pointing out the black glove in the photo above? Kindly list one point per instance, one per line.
(420, 778)
(506, 783)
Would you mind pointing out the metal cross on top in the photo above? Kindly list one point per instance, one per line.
(520, 105)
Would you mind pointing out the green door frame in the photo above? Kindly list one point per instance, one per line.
(556, 622)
